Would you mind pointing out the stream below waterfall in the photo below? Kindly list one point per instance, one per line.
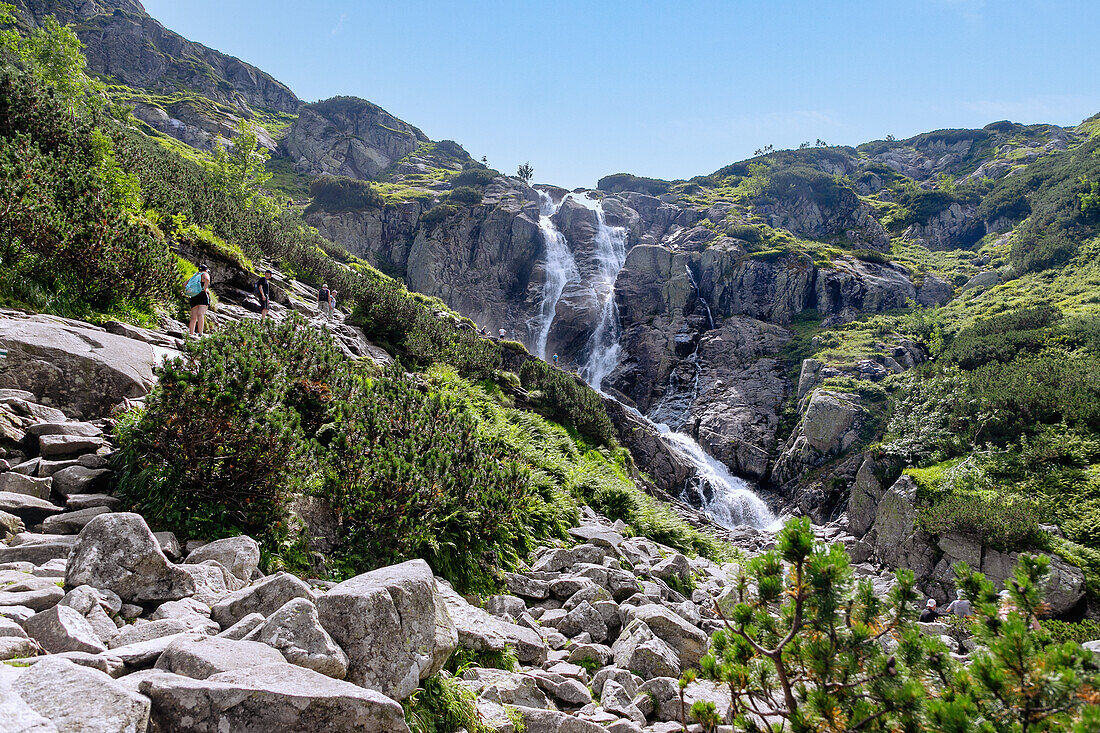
(727, 499)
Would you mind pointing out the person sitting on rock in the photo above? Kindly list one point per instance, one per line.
(929, 614)
(960, 606)
(263, 293)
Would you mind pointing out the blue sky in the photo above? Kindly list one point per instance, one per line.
(667, 89)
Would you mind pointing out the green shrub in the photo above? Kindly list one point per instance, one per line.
(340, 193)
(442, 705)
(462, 659)
(410, 476)
(745, 232)
(218, 446)
(1002, 523)
(465, 196)
(1077, 632)
(69, 230)
(566, 399)
(475, 176)
(437, 214)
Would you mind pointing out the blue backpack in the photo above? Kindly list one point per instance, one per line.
(193, 286)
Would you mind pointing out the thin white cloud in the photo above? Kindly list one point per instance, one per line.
(969, 10)
(339, 24)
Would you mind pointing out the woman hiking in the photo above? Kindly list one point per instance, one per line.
(200, 301)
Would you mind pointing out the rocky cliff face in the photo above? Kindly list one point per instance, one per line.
(123, 42)
(347, 136)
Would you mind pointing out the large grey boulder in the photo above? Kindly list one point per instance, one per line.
(82, 370)
(863, 499)
(393, 624)
(552, 721)
(689, 642)
(18, 716)
(77, 698)
(275, 697)
(898, 541)
(478, 630)
(265, 597)
(296, 631)
(240, 555)
(117, 552)
(640, 651)
(63, 629)
(203, 657)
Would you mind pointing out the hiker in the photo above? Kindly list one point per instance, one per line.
(929, 614)
(555, 359)
(960, 606)
(198, 289)
(324, 300)
(502, 334)
(332, 304)
(263, 293)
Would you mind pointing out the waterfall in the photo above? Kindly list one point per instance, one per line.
(610, 254)
(560, 269)
(727, 499)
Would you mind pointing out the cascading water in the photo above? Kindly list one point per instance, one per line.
(560, 267)
(609, 249)
(727, 499)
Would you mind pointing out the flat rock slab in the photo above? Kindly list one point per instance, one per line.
(276, 697)
(478, 630)
(207, 656)
(17, 483)
(36, 553)
(30, 509)
(52, 446)
(84, 371)
(79, 479)
(72, 522)
(265, 597)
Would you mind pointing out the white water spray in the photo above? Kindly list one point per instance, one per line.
(560, 268)
(609, 248)
(727, 499)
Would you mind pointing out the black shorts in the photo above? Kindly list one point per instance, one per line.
(202, 298)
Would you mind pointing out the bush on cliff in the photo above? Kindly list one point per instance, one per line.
(339, 193)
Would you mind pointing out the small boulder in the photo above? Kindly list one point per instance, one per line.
(296, 631)
(241, 555)
(117, 551)
(63, 629)
(265, 597)
(53, 446)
